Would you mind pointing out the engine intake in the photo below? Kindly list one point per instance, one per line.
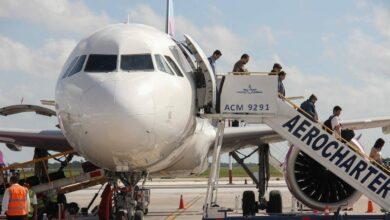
(314, 185)
(14, 147)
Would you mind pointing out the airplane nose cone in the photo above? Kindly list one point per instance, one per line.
(117, 120)
(135, 96)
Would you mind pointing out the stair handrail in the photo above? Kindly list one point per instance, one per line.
(35, 160)
(347, 143)
(250, 73)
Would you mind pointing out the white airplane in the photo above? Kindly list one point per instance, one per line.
(128, 100)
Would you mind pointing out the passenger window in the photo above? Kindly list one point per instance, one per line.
(174, 66)
(78, 66)
(101, 63)
(137, 62)
(70, 67)
(162, 65)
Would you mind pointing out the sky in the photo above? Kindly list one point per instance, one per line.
(338, 50)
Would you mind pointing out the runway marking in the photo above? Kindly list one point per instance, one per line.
(178, 212)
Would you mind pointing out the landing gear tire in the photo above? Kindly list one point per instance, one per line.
(146, 211)
(249, 205)
(274, 204)
(139, 215)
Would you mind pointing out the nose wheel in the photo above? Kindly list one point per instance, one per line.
(129, 201)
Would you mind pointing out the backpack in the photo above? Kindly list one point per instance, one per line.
(328, 123)
(347, 134)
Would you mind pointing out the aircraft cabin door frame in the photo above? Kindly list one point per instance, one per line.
(206, 91)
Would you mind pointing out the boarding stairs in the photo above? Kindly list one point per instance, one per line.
(55, 182)
(254, 99)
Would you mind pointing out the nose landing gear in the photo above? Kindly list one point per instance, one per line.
(126, 200)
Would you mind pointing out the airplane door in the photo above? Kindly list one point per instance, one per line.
(206, 91)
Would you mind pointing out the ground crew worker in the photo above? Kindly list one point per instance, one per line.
(376, 151)
(33, 214)
(281, 90)
(15, 201)
(2, 163)
(239, 66)
(42, 201)
(3, 176)
(61, 201)
(52, 206)
(309, 107)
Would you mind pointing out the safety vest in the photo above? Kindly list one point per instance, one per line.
(17, 200)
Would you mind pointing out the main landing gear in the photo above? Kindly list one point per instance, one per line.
(249, 205)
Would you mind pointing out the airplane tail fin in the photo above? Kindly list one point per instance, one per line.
(170, 22)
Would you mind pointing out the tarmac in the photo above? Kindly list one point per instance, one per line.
(165, 197)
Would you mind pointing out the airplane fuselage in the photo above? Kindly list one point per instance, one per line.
(123, 117)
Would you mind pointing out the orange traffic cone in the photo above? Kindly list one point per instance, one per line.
(181, 204)
(326, 211)
(370, 207)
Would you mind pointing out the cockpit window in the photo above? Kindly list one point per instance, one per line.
(181, 59)
(137, 62)
(71, 65)
(78, 65)
(101, 63)
(162, 65)
(174, 66)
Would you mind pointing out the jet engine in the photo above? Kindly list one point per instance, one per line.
(14, 147)
(314, 185)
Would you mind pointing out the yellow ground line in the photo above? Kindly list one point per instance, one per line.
(173, 215)
(180, 211)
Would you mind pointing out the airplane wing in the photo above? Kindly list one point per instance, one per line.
(383, 123)
(253, 135)
(16, 109)
(49, 139)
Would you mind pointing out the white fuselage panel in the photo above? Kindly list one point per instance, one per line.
(132, 120)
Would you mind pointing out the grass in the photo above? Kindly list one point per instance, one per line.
(68, 173)
(240, 172)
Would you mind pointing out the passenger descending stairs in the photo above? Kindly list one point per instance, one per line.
(352, 166)
(338, 156)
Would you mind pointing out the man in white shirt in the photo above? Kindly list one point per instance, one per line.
(16, 201)
(335, 121)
